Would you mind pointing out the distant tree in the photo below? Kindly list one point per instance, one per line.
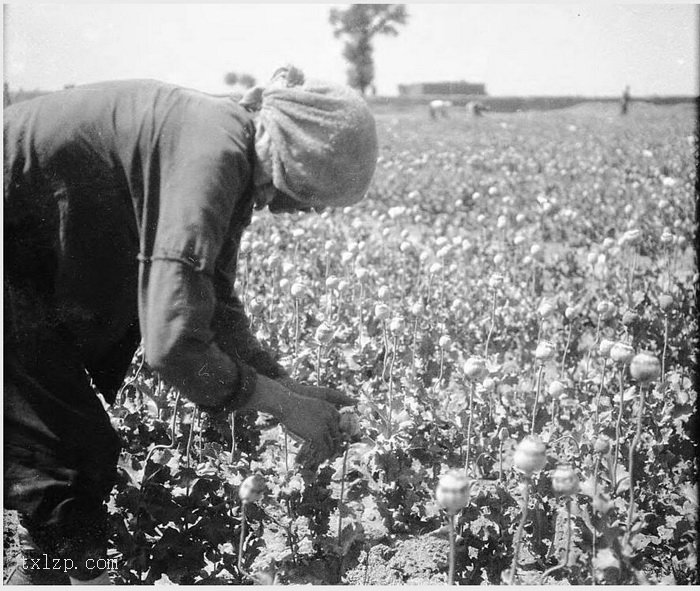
(233, 78)
(246, 80)
(358, 24)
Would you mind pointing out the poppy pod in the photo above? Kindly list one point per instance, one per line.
(629, 318)
(272, 261)
(444, 342)
(621, 353)
(605, 309)
(417, 309)
(565, 481)
(545, 351)
(298, 289)
(381, 311)
(252, 489)
(495, 280)
(530, 456)
(361, 273)
(556, 388)
(602, 444)
(667, 236)
(452, 492)
(443, 252)
(645, 367)
(475, 368)
(608, 243)
(572, 312)
(665, 301)
(547, 308)
(324, 333)
(605, 346)
(632, 236)
(397, 324)
(257, 305)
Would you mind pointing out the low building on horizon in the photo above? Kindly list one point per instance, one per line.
(442, 88)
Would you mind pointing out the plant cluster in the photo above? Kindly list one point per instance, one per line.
(514, 308)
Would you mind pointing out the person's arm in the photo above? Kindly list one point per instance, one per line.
(198, 193)
(233, 336)
(233, 333)
(185, 230)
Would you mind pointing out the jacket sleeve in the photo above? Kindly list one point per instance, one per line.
(202, 181)
(232, 327)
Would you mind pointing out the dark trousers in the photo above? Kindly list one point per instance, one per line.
(60, 450)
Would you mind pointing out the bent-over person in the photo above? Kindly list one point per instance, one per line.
(124, 208)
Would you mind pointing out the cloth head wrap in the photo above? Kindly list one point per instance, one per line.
(323, 138)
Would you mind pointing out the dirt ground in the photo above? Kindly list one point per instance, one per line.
(415, 561)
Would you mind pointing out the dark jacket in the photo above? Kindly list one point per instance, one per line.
(124, 207)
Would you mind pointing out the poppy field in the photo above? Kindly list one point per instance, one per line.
(513, 307)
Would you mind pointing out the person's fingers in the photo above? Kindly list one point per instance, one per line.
(328, 394)
(297, 438)
(303, 455)
(339, 399)
(315, 451)
(324, 449)
(334, 425)
(309, 457)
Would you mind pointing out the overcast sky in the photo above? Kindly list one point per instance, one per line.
(520, 49)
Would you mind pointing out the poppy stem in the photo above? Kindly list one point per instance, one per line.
(537, 395)
(633, 448)
(451, 530)
(519, 533)
(469, 426)
(617, 434)
(241, 540)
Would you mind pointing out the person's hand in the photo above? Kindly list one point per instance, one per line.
(337, 399)
(312, 419)
(317, 422)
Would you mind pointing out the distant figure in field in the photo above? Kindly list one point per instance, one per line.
(625, 101)
(476, 108)
(439, 107)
